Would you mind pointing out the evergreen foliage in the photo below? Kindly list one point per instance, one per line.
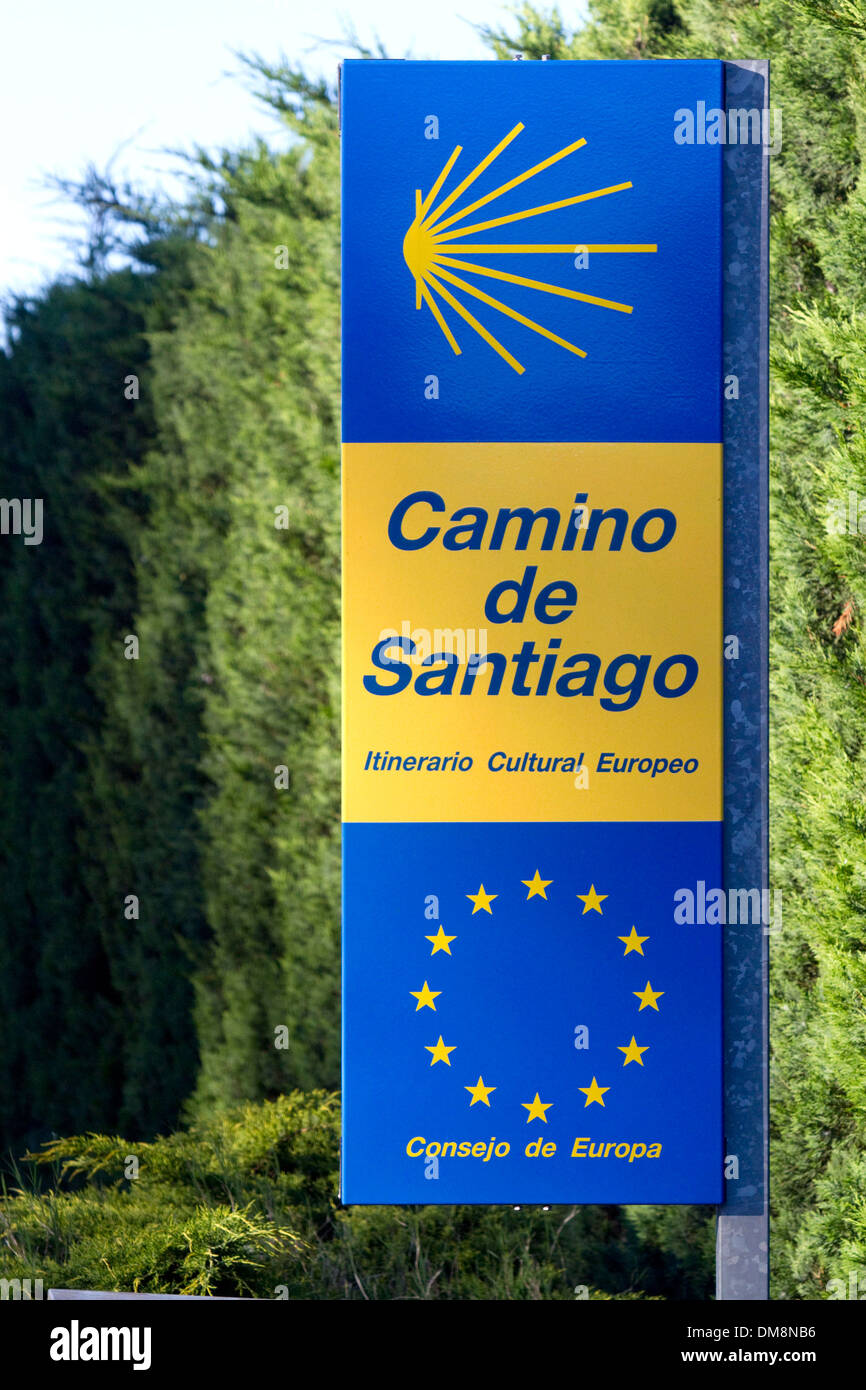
(67, 439)
(155, 777)
(243, 1204)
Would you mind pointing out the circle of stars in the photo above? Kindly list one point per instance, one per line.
(536, 887)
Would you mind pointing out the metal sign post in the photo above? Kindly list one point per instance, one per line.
(743, 1227)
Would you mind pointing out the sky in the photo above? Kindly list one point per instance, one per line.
(95, 80)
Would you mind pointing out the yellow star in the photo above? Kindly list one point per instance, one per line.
(633, 942)
(594, 1093)
(482, 901)
(537, 1108)
(479, 1092)
(536, 886)
(440, 1052)
(592, 901)
(441, 942)
(633, 1053)
(648, 997)
(426, 995)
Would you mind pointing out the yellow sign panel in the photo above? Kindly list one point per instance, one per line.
(533, 632)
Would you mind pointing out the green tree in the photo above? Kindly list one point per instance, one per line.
(243, 540)
(66, 432)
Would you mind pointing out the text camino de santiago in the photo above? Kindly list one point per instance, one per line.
(509, 601)
(415, 524)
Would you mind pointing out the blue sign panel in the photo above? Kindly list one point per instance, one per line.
(532, 481)
(603, 132)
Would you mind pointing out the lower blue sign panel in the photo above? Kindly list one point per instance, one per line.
(534, 1013)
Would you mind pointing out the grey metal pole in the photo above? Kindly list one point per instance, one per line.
(742, 1239)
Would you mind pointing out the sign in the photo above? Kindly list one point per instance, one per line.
(533, 644)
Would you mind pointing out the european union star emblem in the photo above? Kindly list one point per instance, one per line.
(527, 1022)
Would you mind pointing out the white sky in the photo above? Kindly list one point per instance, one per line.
(80, 79)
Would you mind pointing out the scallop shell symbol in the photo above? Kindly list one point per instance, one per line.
(436, 245)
